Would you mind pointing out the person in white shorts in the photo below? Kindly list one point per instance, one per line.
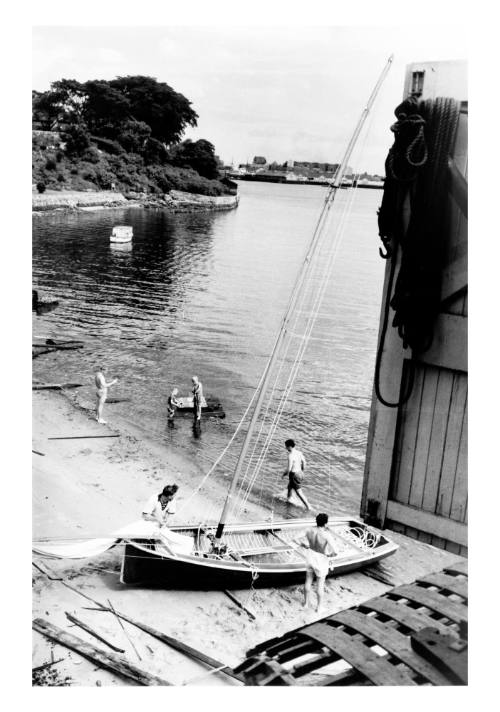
(319, 545)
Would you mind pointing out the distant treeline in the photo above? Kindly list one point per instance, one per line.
(123, 134)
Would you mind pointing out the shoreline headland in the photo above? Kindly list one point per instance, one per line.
(174, 201)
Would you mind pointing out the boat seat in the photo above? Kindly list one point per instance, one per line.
(264, 550)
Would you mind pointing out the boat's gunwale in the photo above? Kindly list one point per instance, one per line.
(378, 552)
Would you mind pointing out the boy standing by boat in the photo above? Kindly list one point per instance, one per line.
(295, 471)
(319, 546)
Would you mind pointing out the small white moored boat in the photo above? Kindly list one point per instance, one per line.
(121, 233)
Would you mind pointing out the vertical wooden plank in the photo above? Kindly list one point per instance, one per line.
(438, 542)
(383, 420)
(424, 433)
(465, 310)
(452, 444)
(438, 438)
(408, 433)
(459, 498)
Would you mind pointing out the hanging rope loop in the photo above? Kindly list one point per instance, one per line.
(416, 177)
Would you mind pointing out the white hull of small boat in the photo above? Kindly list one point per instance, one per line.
(121, 234)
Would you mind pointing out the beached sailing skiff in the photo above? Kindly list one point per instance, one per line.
(238, 555)
(261, 553)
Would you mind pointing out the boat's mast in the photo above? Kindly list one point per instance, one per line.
(293, 299)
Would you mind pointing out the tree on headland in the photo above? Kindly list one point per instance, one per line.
(127, 131)
(199, 155)
(110, 108)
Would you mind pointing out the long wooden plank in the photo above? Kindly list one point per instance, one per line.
(377, 669)
(241, 605)
(84, 437)
(460, 484)
(427, 522)
(109, 661)
(452, 444)
(383, 420)
(178, 645)
(409, 617)
(84, 626)
(423, 436)
(437, 441)
(172, 642)
(432, 600)
(394, 642)
(407, 439)
(448, 583)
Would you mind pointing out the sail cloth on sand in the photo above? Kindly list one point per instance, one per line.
(141, 529)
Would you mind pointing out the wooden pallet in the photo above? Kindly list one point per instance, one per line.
(382, 641)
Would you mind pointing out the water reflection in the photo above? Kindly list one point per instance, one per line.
(204, 293)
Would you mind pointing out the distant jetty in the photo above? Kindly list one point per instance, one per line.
(279, 178)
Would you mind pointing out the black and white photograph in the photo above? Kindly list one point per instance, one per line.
(249, 340)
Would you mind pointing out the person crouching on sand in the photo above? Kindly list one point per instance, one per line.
(160, 506)
(319, 545)
(102, 392)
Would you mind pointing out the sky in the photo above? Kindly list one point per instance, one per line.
(279, 92)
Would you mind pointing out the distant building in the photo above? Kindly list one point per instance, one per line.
(259, 161)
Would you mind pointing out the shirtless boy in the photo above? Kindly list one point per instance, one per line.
(102, 392)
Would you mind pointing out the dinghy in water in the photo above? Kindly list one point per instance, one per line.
(209, 406)
(121, 234)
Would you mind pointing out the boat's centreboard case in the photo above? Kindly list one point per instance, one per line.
(415, 479)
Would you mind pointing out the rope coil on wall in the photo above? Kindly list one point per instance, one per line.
(417, 178)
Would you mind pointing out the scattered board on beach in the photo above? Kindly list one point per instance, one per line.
(53, 386)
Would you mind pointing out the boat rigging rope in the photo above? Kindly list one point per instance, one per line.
(329, 261)
(416, 177)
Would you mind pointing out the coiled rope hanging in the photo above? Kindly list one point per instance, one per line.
(417, 176)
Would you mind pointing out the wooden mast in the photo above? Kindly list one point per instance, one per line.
(304, 271)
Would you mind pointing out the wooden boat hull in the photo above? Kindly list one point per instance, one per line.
(209, 406)
(148, 564)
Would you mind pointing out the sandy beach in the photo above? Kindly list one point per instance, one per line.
(85, 488)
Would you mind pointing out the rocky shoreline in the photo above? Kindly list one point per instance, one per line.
(174, 201)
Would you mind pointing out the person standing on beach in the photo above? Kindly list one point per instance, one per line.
(295, 471)
(319, 545)
(172, 405)
(102, 392)
(197, 397)
(160, 506)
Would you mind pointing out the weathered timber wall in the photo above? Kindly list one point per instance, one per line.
(416, 465)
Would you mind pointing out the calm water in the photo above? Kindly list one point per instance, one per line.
(204, 294)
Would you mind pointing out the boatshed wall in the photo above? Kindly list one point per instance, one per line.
(415, 479)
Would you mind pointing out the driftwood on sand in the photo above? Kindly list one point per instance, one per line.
(109, 661)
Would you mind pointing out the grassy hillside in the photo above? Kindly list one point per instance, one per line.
(106, 165)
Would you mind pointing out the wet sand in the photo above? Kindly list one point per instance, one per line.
(89, 487)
